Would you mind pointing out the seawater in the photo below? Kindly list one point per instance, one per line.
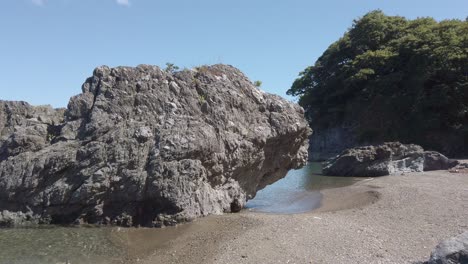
(83, 245)
(298, 192)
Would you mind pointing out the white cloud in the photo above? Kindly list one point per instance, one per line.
(38, 2)
(123, 2)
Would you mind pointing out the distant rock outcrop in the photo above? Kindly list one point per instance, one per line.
(144, 146)
(433, 160)
(385, 159)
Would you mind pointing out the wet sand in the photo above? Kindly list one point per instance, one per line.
(392, 219)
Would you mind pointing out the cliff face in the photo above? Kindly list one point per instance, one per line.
(328, 142)
(142, 146)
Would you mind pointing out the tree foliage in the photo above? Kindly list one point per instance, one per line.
(171, 67)
(390, 78)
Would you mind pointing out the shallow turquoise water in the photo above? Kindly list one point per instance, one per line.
(298, 192)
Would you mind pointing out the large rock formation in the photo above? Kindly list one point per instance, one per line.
(451, 251)
(143, 146)
(385, 159)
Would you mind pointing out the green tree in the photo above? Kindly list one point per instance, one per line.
(171, 67)
(391, 78)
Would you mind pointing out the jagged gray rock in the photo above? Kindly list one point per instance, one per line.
(385, 159)
(451, 251)
(143, 146)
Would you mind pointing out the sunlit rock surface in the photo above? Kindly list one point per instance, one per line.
(144, 146)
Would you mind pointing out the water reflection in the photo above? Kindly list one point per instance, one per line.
(298, 192)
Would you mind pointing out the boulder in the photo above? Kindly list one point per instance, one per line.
(451, 251)
(145, 146)
(433, 160)
(386, 159)
(462, 167)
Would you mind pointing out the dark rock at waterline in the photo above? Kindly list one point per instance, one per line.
(376, 160)
(143, 146)
(451, 251)
(385, 159)
(433, 160)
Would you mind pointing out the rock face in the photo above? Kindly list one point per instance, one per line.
(328, 142)
(385, 159)
(451, 251)
(435, 161)
(143, 146)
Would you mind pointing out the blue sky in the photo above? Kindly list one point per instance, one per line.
(49, 47)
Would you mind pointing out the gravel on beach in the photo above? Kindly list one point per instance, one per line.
(392, 219)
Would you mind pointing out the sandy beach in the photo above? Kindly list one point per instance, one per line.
(392, 219)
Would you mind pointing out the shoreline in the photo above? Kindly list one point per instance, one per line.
(390, 219)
